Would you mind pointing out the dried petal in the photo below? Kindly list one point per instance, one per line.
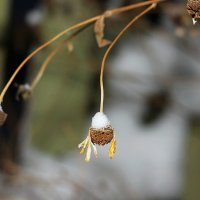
(83, 144)
(99, 32)
(88, 153)
(95, 149)
(112, 148)
(3, 117)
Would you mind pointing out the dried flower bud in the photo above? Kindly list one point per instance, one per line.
(24, 92)
(3, 116)
(101, 136)
(193, 8)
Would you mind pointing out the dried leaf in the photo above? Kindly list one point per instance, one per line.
(83, 144)
(99, 32)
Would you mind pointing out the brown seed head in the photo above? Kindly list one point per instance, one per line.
(3, 117)
(24, 92)
(193, 8)
(101, 136)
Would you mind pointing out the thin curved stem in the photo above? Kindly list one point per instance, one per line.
(111, 46)
(44, 65)
(133, 6)
(52, 54)
(40, 48)
(88, 21)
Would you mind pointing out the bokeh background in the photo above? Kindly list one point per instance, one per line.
(152, 99)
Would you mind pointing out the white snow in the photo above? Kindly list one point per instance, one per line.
(100, 120)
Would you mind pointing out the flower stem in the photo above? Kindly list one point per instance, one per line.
(111, 46)
(133, 6)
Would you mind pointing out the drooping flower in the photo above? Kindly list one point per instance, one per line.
(100, 133)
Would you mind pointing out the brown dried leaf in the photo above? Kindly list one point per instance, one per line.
(99, 32)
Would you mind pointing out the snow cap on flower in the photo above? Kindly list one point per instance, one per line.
(100, 120)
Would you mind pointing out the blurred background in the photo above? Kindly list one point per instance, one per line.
(152, 99)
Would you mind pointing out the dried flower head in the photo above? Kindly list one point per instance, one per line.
(193, 8)
(23, 92)
(101, 136)
(3, 116)
(100, 133)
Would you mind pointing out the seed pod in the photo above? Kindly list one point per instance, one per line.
(3, 117)
(193, 8)
(24, 92)
(101, 136)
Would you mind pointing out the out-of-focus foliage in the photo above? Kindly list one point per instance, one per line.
(193, 165)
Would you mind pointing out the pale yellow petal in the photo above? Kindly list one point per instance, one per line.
(95, 149)
(82, 150)
(112, 148)
(83, 145)
(88, 153)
